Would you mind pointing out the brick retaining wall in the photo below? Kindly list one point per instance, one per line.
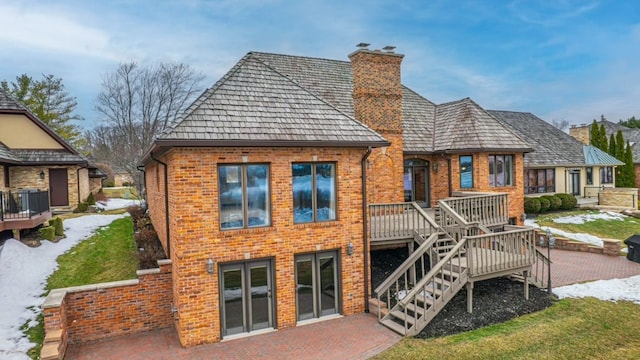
(92, 312)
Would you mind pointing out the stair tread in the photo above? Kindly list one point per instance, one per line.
(415, 309)
(394, 326)
(402, 316)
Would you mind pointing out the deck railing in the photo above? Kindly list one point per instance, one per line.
(23, 204)
(399, 221)
(485, 209)
(497, 252)
(455, 225)
(406, 275)
(432, 292)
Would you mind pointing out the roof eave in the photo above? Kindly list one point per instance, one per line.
(474, 150)
(162, 145)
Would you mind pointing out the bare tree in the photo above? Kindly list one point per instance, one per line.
(560, 124)
(137, 103)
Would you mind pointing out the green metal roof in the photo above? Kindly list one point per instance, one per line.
(595, 156)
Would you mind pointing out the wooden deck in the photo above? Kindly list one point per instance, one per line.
(463, 241)
(25, 223)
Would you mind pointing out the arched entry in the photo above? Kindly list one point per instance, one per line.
(416, 182)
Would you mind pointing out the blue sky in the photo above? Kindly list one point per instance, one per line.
(561, 60)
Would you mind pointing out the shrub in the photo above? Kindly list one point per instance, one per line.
(109, 183)
(554, 202)
(57, 225)
(137, 215)
(47, 232)
(568, 201)
(149, 248)
(544, 204)
(82, 207)
(531, 205)
(91, 200)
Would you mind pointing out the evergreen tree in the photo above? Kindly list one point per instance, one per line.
(612, 146)
(594, 134)
(49, 100)
(632, 122)
(631, 168)
(619, 146)
(603, 138)
(626, 173)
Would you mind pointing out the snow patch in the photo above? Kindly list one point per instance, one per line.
(609, 290)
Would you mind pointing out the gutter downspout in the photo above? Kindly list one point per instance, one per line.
(365, 240)
(166, 202)
(143, 191)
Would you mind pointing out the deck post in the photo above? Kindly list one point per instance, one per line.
(470, 297)
(525, 274)
(412, 274)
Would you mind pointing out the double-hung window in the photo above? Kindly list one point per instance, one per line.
(501, 170)
(244, 196)
(314, 192)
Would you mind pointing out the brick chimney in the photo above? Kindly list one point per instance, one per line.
(377, 102)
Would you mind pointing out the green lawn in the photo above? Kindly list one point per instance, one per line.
(610, 229)
(570, 329)
(108, 255)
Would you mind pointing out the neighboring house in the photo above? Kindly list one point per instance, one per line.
(37, 162)
(559, 163)
(259, 191)
(631, 135)
(121, 177)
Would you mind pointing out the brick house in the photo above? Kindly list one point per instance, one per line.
(559, 163)
(257, 190)
(38, 168)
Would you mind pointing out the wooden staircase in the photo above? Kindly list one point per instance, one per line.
(415, 308)
(459, 248)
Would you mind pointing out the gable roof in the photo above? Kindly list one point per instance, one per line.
(283, 100)
(9, 105)
(254, 105)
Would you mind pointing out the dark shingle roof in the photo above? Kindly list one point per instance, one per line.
(282, 98)
(463, 124)
(254, 103)
(32, 157)
(552, 146)
(8, 102)
(6, 155)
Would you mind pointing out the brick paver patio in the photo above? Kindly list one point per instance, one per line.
(354, 337)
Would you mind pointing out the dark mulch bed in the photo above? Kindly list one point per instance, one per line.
(494, 301)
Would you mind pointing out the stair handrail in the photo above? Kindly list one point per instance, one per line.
(406, 265)
(432, 273)
(426, 216)
(542, 280)
(462, 223)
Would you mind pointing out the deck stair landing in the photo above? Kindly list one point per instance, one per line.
(453, 253)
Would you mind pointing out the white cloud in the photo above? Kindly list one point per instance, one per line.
(48, 30)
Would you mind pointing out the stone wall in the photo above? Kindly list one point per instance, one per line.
(611, 247)
(93, 312)
(626, 198)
